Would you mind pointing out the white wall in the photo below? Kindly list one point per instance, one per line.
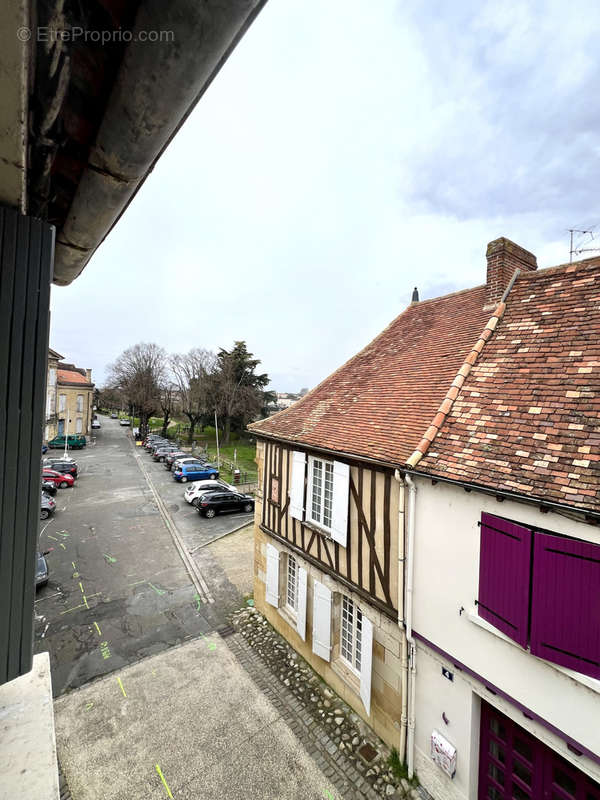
(446, 581)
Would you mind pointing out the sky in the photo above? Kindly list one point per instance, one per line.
(345, 153)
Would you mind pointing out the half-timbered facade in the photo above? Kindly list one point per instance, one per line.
(328, 547)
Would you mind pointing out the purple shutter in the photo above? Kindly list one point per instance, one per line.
(504, 562)
(565, 608)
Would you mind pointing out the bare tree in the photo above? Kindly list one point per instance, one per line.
(167, 399)
(193, 374)
(139, 373)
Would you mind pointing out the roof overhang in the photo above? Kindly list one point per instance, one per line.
(101, 113)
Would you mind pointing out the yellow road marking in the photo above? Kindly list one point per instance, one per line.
(81, 587)
(85, 602)
(73, 563)
(122, 689)
(98, 628)
(165, 784)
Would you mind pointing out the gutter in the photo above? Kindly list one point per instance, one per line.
(593, 517)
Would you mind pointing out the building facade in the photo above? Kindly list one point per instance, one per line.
(428, 533)
(69, 398)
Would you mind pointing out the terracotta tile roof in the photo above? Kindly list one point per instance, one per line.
(527, 418)
(71, 376)
(381, 402)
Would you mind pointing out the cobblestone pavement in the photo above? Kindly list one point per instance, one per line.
(330, 731)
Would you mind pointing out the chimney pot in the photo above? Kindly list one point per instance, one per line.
(415, 296)
(503, 258)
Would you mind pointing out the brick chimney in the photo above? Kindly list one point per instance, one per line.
(503, 258)
(88, 374)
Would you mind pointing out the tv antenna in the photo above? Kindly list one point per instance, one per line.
(577, 249)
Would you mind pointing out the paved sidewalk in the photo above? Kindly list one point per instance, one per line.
(195, 713)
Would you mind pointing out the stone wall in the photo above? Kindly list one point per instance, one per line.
(386, 703)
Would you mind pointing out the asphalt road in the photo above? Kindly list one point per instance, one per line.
(118, 589)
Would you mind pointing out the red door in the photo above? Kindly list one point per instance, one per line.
(514, 765)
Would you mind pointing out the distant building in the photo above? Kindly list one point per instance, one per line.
(69, 398)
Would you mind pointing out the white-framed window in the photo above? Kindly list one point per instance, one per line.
(320, 492)
(291, 593)
(52, 376)
(80, 403)
(62, 402)
(351, 634)
(79, 425)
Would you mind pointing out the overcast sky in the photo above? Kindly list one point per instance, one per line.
(347, 152)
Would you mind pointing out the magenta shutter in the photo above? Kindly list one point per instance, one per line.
(504, 563)
(565, 607)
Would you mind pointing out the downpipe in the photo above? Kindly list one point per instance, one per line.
(404, 647)
(412, 650)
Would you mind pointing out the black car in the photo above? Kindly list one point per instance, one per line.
(66, 467)
(217, 502)
(49, 488)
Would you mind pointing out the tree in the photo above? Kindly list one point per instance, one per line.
(167, 399)
(193, 373)
(239, 393)
(138, 373)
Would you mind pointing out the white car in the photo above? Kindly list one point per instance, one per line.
(196, 489)
(124, 422)
(96, 423)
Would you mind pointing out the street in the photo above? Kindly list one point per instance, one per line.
(118, 589)
(173, 712)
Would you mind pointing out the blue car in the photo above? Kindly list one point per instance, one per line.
(44, 448)
(195, 472)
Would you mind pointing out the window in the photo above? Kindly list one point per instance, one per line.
(320, 484)
(79, 425)
(542, 590)
(351, 634)
(291, 596)
(62, 402)
(80, 403)
(321, 496)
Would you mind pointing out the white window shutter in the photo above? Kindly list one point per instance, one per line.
(366, 659)
(321, 632)
(297, 485)
(272, 575)
(339, 515)
(301, 616)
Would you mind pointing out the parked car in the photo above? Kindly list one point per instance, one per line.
(162, 452)
(42, 573)
(124, 421)
(75, 441)
(48, 506)
(173, 456)
(44, 448)
(67, 467)
(195, 472)
(57, 478)
(216, 502)
(114, 415)
(96, 423)
(195, 490)
(180, 462)
(48, 488)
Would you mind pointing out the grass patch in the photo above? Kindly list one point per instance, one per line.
(400, 769)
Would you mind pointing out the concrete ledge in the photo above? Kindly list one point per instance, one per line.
(27, 742)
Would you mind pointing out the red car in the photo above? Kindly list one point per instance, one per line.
(57, 478)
